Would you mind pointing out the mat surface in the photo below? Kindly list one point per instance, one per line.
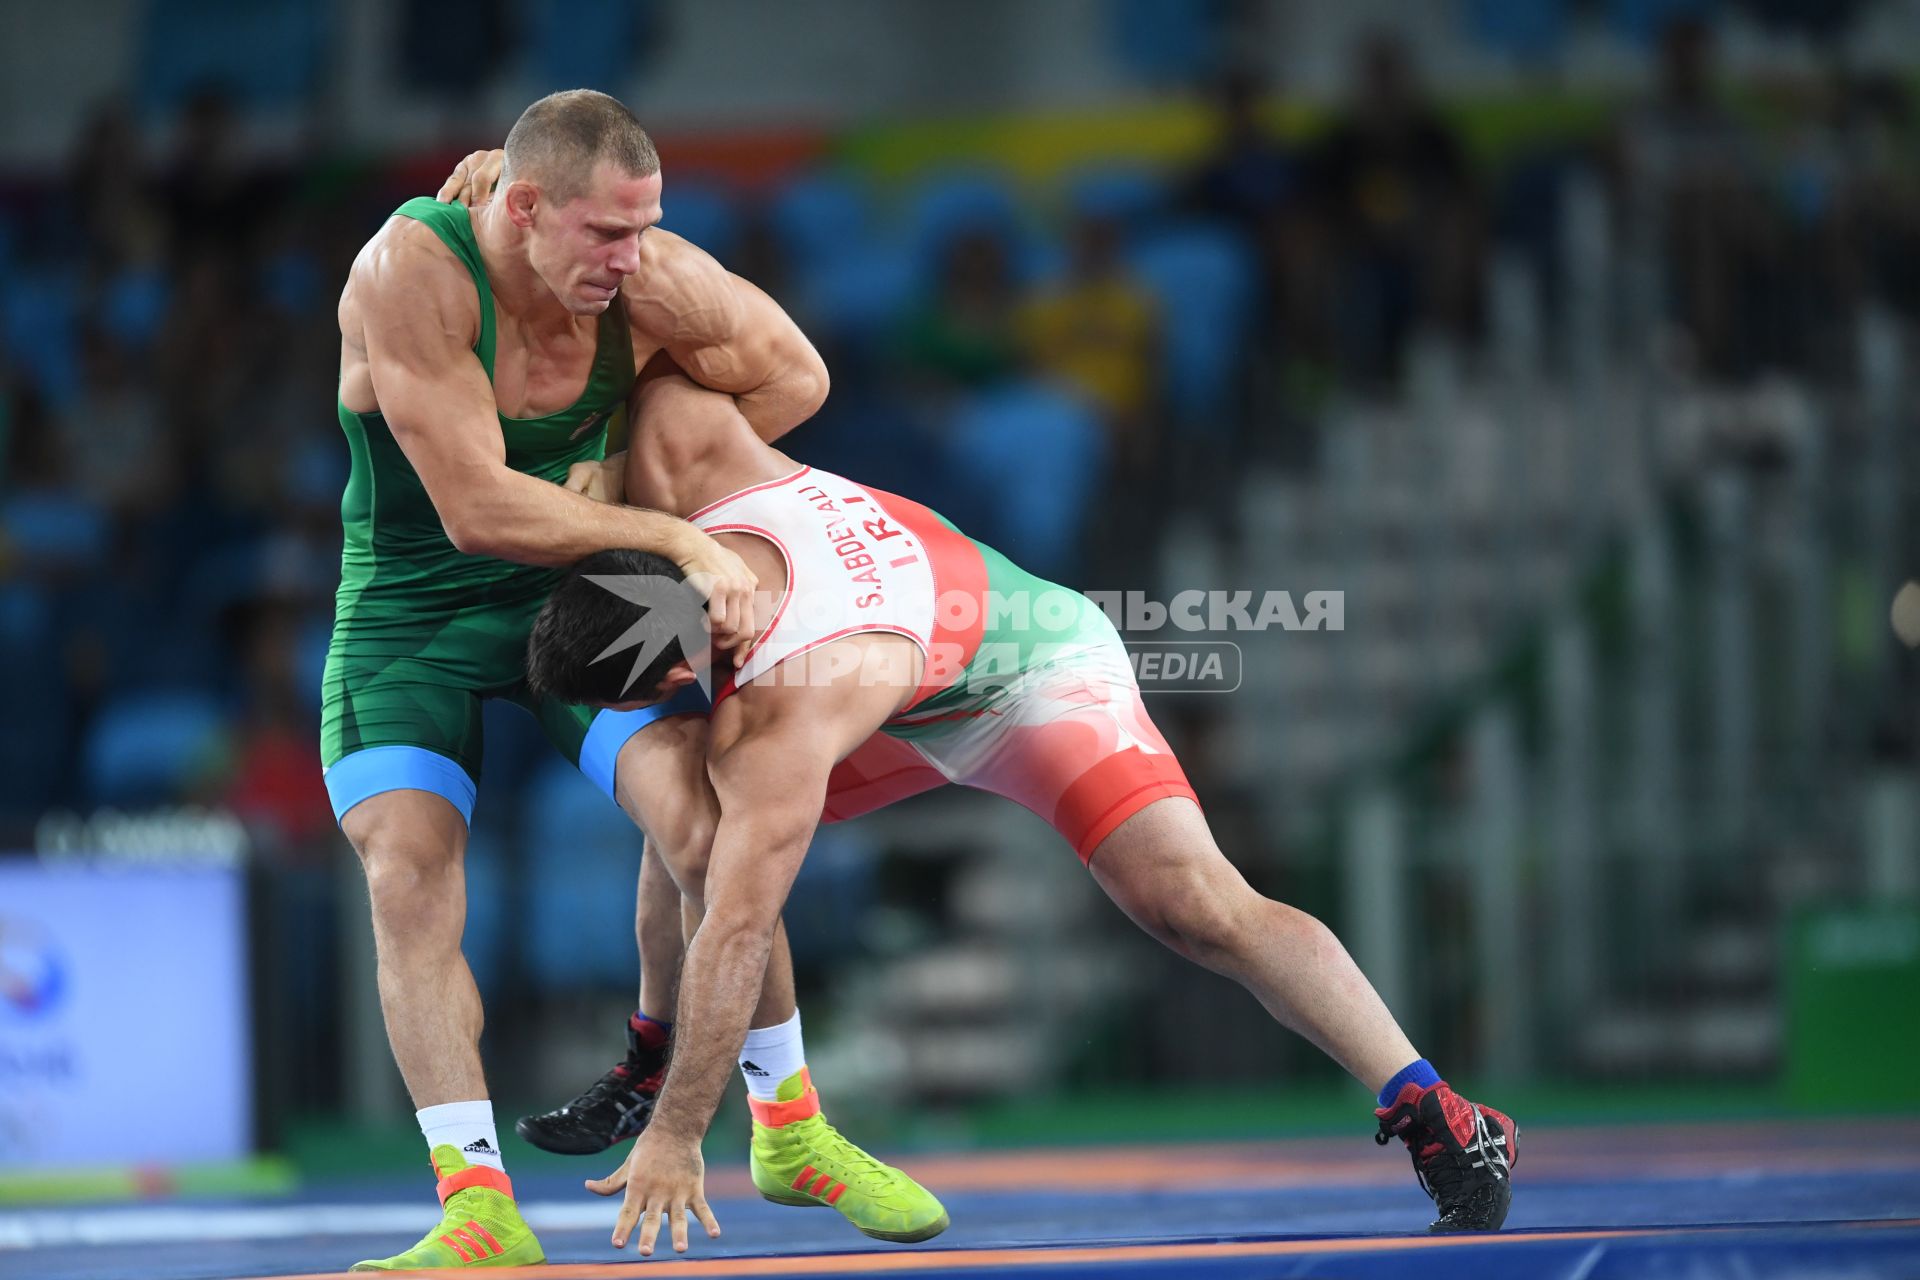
(1833, 1199)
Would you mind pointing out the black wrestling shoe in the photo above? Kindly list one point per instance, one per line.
(616, 1108)
(1463, 1154)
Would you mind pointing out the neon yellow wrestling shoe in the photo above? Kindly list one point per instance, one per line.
(800, 1159)
(481, 1227)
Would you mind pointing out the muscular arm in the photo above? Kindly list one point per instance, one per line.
(418, 320)
(771, 785)
(727, 334)
(771, 751)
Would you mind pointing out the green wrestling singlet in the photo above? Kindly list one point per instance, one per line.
(423, 631)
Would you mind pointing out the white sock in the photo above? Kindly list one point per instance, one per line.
(467, 1126)
(770, 1055)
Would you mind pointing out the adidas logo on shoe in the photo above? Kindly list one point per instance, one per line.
(750, 1069)
(480, 1145)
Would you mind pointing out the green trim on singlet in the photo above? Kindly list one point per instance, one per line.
(420, 627)
(1012, 642)
(453, 224)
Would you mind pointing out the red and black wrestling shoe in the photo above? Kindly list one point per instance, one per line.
(1463, 1153)
(616, 1108)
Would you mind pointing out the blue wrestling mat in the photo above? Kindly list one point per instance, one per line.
(1827, 1199)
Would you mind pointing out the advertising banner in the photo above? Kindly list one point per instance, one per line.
(124, 1025)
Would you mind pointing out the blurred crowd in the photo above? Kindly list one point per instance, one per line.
(1060, 371)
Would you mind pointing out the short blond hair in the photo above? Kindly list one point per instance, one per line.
(557, 142)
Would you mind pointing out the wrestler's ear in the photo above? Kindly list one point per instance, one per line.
(678, 677)
(520, 198)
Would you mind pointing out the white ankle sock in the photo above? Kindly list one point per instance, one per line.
(466, 1125)
(770, 1055)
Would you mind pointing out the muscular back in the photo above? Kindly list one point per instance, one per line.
(690, 448)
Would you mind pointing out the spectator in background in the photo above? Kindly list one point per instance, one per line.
(1879, 130)
(1250, 178)
(214, 199)
(276, 784)
(1254, 181)
(1401, 209)
(761, 256)
(52, 539)
(110, 195)
(1690, 179)
(50, 534)
(207, 355)
(452, 48)
(115, 434)
(963, 335)
(1097, 330)
(37, 465)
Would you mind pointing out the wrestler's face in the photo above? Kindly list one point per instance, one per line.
(585, 248)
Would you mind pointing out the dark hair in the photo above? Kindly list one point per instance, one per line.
(611, 610)
(558, 140)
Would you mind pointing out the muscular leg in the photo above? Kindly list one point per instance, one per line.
(776, 989)
(656, 929)
(1164, 870)
(669, 918)
(412, 845)
(661, 781)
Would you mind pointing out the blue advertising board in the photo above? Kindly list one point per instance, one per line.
(124, 1023)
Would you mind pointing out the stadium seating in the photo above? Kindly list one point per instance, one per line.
(267, 55)
(820, 217)
(583, 863)
(134, 306)
(854, 296)
(490, 914)
(1132, 197)
(953, 204)
(1174, 42)
(571, 43)
(1032, 455)
(33, 758)
(310, 656)
(704, 214)
(37, 329)
(55, 532)
(1205, 278)
(145, 748)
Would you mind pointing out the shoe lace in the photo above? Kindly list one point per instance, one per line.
(1440, 1177)
(471, 1202)
(1445, 1175)
(1437, 1175)
(623, 1079)
(830, 1142)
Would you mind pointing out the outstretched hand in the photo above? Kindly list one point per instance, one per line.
(660, 1176)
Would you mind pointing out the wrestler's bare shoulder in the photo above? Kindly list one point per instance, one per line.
(413, 295)
(406, 267)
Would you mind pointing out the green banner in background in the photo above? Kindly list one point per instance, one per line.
(1853, 1006)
